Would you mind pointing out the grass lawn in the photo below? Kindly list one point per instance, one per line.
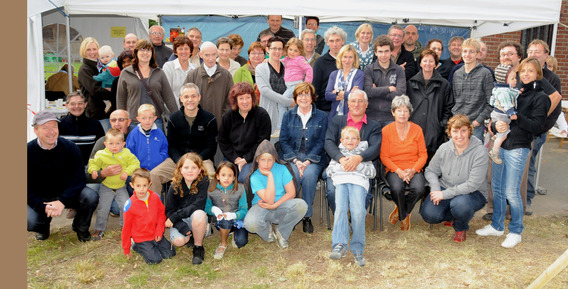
(419, 258)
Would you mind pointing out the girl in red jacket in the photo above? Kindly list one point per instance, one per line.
(144, 222)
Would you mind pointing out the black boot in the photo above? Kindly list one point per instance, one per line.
(190, 243)
(198, 255)
(307, 225)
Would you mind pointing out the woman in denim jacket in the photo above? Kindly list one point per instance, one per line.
(301, 139)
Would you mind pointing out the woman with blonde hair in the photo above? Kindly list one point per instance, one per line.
(362, 44)
(90, 88)
(342, 81)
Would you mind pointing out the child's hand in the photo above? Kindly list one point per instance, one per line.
(169, 223)
(128, 255)
(158, 238)
(124, 176)
(94, 175)
(513, 117)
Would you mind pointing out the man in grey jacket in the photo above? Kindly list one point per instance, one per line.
(472, 85)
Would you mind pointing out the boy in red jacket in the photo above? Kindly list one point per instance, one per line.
(144, 221)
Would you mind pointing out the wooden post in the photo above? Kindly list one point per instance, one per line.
(550, 272)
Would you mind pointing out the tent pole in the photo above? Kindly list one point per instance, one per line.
(69, 65)
(554, 35)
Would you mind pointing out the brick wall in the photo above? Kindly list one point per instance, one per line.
(561, 49)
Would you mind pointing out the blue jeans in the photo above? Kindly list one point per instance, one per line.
(154, 252)
(531, 185)
(478, 132)
(243, 174)
(506, 186)
(259, 220)
(308, 184)
(240, 235)
(330, 193)
(349, 198)
(460, 209)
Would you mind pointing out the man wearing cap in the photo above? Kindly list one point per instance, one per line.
(56, 180)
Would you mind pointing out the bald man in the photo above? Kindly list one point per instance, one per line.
(129, 41)
(411, 43)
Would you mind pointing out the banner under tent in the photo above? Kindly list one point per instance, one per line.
(434, 19)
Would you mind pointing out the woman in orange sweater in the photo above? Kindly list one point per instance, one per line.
(403, 153)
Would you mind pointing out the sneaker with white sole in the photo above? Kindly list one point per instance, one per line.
(489, 231)
(338, 252)
(512, 240)
(271, 236)
(359, 259)
(282, 243)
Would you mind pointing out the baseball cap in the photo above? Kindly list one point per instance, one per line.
(43, 117)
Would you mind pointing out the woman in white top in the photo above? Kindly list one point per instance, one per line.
(224, 47)
(177, 69)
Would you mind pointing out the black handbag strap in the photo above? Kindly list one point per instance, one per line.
(157, 105)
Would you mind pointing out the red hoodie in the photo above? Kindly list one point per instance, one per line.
(141, 222)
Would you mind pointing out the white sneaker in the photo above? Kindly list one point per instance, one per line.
(512, 240)
(489, 231)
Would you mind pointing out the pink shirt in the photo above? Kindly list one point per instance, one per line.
(296, 68)
(358, 125)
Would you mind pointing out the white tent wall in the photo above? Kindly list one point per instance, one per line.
(490, 15)
(484, 17)
(99, 27)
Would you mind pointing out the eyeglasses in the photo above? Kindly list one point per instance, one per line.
(156, 33)
(510, 54)
(76, 103)
(256, 53)
(121, 119)
(145, 50)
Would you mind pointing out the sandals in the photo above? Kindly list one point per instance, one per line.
(495, 157)
(219, 252)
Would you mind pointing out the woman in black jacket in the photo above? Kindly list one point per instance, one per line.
(432, 100)
(532, 107)
(90, 88)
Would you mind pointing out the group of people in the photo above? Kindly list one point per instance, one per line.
(195, 120)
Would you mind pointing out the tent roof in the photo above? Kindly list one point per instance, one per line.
(487, 17)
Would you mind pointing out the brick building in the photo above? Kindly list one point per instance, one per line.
(525, 37)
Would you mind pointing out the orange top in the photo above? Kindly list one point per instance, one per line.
(404, 154)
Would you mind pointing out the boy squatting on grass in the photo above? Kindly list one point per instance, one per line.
(112, 187)
(350, 193)
(144, 222)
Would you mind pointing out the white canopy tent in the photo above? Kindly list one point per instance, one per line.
(483, 17)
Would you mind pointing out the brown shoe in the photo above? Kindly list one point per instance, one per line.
(459, 236)
(405, 224)
(393, 217)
